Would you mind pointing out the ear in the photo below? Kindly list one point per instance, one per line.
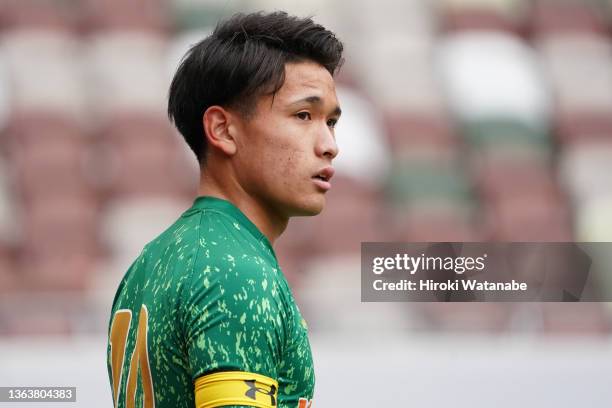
(219, 129)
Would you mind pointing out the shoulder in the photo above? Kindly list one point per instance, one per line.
(197, 235)
(239, 278)
(232, 279)
(229, 254)
(232, 276)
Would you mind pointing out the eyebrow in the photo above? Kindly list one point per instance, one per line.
(316, 100)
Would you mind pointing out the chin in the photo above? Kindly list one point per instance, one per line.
(310, 207)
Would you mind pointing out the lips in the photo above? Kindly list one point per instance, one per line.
(322, 177)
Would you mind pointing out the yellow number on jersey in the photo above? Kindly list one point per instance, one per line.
(139, 359)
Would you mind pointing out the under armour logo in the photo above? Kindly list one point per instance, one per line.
(253, 390)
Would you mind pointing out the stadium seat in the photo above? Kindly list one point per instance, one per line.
(457, 317)
(594, 220)
(137, 15)
(9, 229)
(583, 102)
(364, 151)
(146, 157)
(385, 19)
(498, 178)
(128, 224)
(60, 245)
(529, 218)
(5, 94)
(427, 180)
(49, 156)
(353, 213)
(9, 279)
(488, 75)
(35, 323)
(397, 72)
(554, 16)
(58, 56)
(434, 221)
(572, 319)
(126, 72)
(294, 247)
(67, 272)
(291, 264)
(9, 232)
(584, 171)
(61, 225)
(500, 15)
(593, 224)
(567, 57)
(38, 14)
(421, 137)
(498, 133)
(429, 196)
(198, 14)
(577, 128)
(330, 293)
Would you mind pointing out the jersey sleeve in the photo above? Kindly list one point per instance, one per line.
(234, 323)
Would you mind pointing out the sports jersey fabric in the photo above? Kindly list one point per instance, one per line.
(206, 307)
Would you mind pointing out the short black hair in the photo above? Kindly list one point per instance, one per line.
(243, 58)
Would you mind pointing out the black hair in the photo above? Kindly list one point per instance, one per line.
(243, 58)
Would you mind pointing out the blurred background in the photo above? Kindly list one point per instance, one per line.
(464, 120)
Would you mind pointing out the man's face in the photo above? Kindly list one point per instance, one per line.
(286, 147)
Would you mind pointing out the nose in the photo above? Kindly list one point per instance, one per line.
(326, 144)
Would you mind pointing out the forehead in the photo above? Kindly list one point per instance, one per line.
(303, 79)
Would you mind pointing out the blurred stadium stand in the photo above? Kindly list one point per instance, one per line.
(463, 121)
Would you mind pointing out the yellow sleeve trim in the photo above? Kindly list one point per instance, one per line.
(236, 388)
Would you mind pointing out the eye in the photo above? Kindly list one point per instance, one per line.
(303, 115)
(332, 123)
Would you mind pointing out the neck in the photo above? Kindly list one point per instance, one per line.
(269, 222)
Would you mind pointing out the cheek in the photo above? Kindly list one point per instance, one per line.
(291, 162)
(280, 160)
(284, 163)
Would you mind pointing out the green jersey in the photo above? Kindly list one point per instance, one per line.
(205, 316)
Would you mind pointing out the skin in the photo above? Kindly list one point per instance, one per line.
(264, 164)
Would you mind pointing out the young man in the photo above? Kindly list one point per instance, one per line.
(204, 317)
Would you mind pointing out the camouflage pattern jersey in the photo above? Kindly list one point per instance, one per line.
(204, 317)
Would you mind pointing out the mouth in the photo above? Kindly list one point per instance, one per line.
(322, 178)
